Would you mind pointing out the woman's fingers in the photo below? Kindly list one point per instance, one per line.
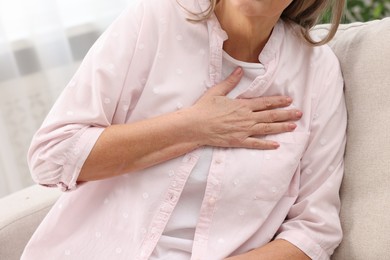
(267, 103)
(226, 122)
(272, 116)
(259, 144)
(225, 86)
(272, 128)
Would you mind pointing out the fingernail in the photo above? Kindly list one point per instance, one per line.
(292, 126)
(237, 71)
(275, 145)
(289, 100)
(299, 114)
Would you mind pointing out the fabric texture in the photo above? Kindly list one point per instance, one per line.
(140, 69)
(364, 53)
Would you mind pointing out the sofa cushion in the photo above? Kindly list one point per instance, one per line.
(364, 53)
(21, 214)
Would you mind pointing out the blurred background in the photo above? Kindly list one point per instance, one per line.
(42, 43)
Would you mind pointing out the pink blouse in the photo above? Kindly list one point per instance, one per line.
(152, 61)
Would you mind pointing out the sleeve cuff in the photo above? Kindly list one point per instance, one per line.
(78, 155)
(304, 243)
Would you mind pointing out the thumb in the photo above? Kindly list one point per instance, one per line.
(225, 86)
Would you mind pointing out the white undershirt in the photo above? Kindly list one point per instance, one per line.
(177, 238)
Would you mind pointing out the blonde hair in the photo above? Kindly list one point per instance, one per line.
(305, 13)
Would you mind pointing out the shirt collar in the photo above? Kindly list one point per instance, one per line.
(268, 56)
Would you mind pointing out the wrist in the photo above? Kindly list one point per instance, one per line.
(191, 127)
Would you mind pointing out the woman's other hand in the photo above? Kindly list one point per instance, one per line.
(224, 122)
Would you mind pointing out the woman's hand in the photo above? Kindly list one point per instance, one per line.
(224, 122)
(215, 120)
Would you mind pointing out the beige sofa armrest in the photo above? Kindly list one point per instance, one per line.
(20, 215)
(364, 53)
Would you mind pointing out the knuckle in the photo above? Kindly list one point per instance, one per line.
(267, 103)
(273, 116)
(266, 128)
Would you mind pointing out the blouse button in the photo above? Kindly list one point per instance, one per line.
(212, 201)
(262, 83)
(172, 197)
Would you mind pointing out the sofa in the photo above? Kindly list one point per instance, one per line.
(364, 53)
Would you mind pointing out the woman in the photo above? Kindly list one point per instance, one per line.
(172, 162)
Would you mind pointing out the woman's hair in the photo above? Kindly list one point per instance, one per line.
(305, 13)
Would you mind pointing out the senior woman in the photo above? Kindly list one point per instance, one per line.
(165, 153)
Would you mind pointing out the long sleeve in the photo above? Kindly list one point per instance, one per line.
(87, 105)
(313, 222)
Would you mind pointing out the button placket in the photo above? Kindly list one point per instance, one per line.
(213, 188)
(171, 198)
